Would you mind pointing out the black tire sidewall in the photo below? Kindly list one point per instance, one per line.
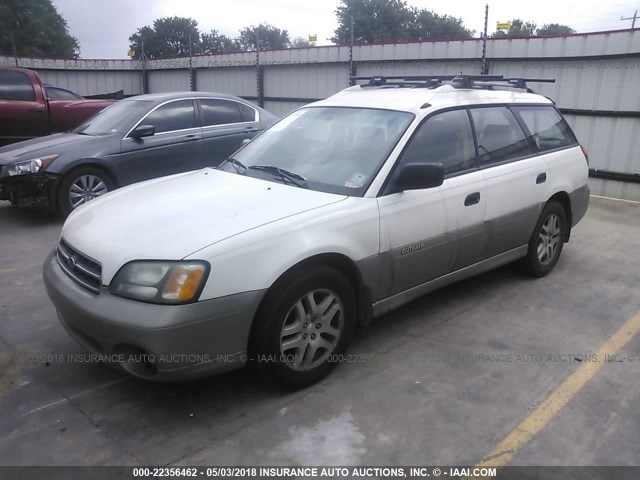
(63, 205)
(270, 317)
(534, 267)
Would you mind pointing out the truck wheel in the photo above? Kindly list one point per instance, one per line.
(546, 242)
(80, 186)
(304, 327)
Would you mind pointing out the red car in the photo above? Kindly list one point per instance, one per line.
(27, 111)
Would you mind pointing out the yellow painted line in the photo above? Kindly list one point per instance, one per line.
(560, 397)
(7, 270)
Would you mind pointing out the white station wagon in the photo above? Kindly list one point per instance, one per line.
(342, 211)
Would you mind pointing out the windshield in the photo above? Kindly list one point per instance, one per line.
(334, 149)
(116, 118)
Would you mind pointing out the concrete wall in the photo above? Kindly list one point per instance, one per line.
(597, 78)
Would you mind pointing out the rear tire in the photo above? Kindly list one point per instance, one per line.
(547, 240)
(80, 186)
(303, 327)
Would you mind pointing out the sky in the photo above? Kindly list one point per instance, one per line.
(103, 27)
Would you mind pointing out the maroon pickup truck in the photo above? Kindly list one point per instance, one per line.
(26, 111)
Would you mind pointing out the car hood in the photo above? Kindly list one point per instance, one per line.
(40, 147)
(173, 217)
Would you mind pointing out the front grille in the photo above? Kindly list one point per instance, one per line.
(79, 267)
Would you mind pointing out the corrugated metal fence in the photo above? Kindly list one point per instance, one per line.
(597, 82)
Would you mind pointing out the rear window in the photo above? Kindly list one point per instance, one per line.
(16, 86)
(546, 127)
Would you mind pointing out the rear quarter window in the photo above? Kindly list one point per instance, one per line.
(547, 129)
(16, 86)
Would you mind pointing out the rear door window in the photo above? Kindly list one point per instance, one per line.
(499, 135)
(547, 129)
(219, 112)
(16, 86)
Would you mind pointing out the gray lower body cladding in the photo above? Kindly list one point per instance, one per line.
(157, 342)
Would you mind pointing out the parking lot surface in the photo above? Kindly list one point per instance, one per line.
(441, 381)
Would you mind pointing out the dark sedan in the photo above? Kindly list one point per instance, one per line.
(136, 139)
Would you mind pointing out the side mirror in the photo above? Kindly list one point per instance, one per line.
(416, 176)
(143, 131)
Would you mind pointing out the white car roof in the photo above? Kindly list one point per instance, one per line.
(414, 99)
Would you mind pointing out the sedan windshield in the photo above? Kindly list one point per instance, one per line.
(331, 149)
(116, 118)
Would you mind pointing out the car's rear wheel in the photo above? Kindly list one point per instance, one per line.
(81, 186)
(304, 326)
(545, 245)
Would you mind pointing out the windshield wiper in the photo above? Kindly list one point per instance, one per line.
(237, 164)
(285, 175)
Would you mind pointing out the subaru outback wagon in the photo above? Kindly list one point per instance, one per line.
(342, 211)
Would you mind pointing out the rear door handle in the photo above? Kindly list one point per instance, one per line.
(541, 178)
(472, 199)
(252, 129)
(191, 137)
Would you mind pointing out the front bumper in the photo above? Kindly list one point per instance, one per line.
(156, 342)
(29, 190)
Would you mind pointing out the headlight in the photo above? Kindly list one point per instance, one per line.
(32, 166)
(170, 283)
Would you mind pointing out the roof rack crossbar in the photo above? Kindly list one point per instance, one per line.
(457, 81)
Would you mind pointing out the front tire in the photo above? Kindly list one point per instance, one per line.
(80, 186)
(304, 326)
(547, 240)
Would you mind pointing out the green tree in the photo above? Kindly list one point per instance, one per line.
(430, 25)
(169, 37)
(518, 28)
(555, 29)
(214, 42)
(34, 28)
(374, 21)
(300, 42)
(271, 38)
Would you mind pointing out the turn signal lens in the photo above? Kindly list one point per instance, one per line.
(183, 282)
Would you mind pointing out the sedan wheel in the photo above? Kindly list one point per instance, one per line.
(85, 188)
(80, 186)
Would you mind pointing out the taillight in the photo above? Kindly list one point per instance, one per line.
(586, 155)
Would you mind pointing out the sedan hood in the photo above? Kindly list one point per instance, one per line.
(40, 147)
(173, 217)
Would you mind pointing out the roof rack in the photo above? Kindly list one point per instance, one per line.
(489, 82)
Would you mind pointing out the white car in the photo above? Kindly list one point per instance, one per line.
(342, 211)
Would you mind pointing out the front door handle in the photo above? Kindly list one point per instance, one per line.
(541, 178)
(472, 199)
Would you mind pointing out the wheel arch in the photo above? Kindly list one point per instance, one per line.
(564, 199)
(83, 163)
(339, 262)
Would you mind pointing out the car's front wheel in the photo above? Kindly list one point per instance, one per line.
(80, 186)
(304, 327)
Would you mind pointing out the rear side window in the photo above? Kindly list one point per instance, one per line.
(178, 115)
(16, 86)
(219, 112)
(499, 135)
(546, 127)
(445, 138)
(248, 113)
(60, 94)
